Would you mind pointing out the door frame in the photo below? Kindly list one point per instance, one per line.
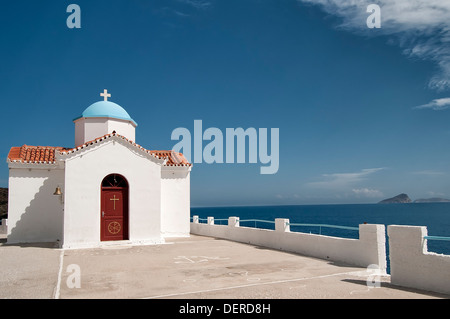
(125, 211)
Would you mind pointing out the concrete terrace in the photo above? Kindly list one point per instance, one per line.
(188, 268)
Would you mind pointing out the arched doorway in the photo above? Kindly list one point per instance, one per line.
(114, 208)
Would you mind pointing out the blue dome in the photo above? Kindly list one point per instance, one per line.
(106, 109)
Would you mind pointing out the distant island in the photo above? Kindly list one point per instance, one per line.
(432, 200)
(403, 198)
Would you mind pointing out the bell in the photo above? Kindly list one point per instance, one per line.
(57, 191)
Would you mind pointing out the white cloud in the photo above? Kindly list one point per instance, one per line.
(436, 104)
(198, 4)
(287, 196)
(435, 194)
(366, 192)
(428, 172)
(422, 28)
(343, 180)
(180, 14)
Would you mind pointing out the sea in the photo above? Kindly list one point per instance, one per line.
(435, 216)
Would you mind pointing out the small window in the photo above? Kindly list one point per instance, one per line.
(114, 180)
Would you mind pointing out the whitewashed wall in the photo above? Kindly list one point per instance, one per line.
(34, 213)
(367, 250)
(411, 263)
(88, 129)
(122, 127)
(175, 201)
(84, 173)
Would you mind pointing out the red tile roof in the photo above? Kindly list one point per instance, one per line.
(174, 158)
(47, 154)
(33, 154)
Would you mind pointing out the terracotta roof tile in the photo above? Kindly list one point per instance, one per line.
(47, 154)
(33, 154)
(174, 158)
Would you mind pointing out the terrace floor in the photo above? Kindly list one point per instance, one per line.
(188, 268)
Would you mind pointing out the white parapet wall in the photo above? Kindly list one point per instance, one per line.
(369, 249)
(412, 265)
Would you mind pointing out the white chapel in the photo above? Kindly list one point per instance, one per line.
(105, 190)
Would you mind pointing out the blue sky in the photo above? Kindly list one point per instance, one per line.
(362, 113)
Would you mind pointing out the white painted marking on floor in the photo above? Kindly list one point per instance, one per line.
(189, 280)
(58, 283)
(359, 291)
(195, 259)
(249, 285)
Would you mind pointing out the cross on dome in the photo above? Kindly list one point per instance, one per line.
(105, 94)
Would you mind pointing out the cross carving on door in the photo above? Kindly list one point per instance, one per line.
(114, 201)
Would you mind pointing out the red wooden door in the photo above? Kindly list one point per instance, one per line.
(114, 214)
